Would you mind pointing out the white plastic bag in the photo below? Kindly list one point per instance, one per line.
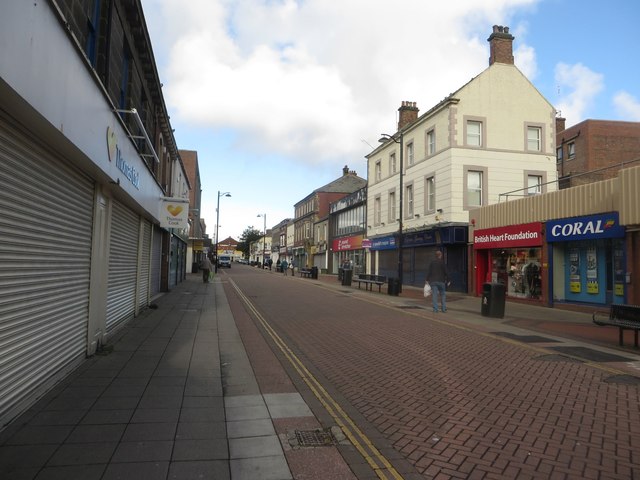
(427, 290)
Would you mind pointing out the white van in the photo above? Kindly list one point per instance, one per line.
(224, 261)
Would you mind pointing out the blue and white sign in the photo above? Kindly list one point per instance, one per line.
(383, 243)
(591, 227)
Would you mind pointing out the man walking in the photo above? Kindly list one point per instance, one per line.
(206, 267)
(438, 278)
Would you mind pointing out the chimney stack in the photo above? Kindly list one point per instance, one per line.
(408, 114)
(501, 46)
(560, 123)
(345, 171)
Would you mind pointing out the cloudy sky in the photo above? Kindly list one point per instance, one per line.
(278, 95)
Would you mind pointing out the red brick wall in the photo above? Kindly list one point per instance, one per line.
(599, 144)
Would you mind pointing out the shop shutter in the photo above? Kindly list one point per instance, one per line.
(156, 261)
(45, 253)
(144, 263)
(173, 262)
(123, 266)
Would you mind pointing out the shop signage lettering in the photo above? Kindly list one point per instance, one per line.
(174, 213)
(526, 235)
(507, 237)
(383, 243)
(585, 228)
(113, 150)
(577, 228)
(347, 243)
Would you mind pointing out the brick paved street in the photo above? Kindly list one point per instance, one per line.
(455, 401)
(261, 376)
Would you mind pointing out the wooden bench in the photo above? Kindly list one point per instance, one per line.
(625, 317)
(305, 272)
(371, 280)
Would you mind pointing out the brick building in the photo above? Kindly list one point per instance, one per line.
(595, 150)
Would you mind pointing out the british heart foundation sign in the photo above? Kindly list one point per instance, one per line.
(174, 213)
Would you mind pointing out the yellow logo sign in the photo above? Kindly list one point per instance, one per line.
(174, 210)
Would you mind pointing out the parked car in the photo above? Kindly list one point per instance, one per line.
(224, 261)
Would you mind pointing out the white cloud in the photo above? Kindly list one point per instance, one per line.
(627, 106)
(525, 59)
(311, 79)
(578, 87)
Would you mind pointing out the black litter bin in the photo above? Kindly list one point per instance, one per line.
(314, 272)
(347, 275)
(394, 286)
(195, 267)
(493, 300)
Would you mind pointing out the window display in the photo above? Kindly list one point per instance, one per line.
(520, 270)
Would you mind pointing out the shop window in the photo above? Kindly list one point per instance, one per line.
(523, 272)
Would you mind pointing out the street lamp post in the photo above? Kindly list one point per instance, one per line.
(398, 138)
(264, 239)
(215, 259)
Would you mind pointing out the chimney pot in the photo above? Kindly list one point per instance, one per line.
(500, 46)
(408, 114)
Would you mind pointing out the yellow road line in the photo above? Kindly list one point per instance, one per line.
(360, 441)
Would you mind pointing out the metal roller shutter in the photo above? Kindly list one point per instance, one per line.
(123, 266)
(156, 261)
(45, 253)
(173, 262)
(144, 271)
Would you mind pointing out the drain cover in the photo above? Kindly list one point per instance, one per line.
(314, 438)
(591, 355)
(524, 338)
(557, 358)
(623, 379)
(411, 307)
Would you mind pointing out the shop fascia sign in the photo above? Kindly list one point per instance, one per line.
(383, 243)
(524, 235)
(115, 155)
(174, 213)
(591, 227)
(347, 243)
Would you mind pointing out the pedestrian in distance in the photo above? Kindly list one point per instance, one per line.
(270, 262)
(206, 267)
(284, 266)
(438, 278)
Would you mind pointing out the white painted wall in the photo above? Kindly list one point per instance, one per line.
(507, 102)
(41, 66)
